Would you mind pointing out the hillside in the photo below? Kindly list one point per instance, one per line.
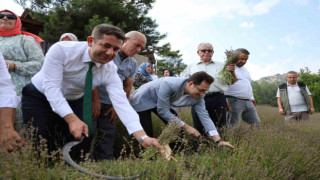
(278, 78)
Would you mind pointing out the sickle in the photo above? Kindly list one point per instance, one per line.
(65, 152)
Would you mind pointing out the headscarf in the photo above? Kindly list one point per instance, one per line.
(170, 72)
(17, 29)
(69, 35)
(142, 70)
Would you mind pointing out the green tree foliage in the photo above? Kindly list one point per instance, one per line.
(313, 82)
(80, 16)
(265, 92)
(170, 60)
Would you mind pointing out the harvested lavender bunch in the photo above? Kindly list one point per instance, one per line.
(232, 58)
(169, 134)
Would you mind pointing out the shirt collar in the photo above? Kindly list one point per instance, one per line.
(293, 85)
(210, 62)
(86, 58)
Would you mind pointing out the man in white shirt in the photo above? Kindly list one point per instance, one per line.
(294, 99)
(215, 99)
(53, 101)
(239, 95)
(9, 138)
(105, 124)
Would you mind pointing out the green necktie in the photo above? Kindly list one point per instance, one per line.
(87, 100)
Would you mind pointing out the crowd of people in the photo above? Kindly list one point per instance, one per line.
(81, 88)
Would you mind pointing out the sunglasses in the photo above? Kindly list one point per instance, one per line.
(9, 16)
(208, 50)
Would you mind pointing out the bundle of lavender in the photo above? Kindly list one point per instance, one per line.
(232, 58)
(169, 134)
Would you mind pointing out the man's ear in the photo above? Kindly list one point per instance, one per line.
(90, 40)
(190, 83)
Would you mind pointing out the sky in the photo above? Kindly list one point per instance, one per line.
(281, 35)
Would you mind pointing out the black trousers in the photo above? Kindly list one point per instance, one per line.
(146, 122)
(216, 106)
(38, 113)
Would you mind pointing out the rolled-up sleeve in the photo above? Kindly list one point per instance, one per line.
(8, 96)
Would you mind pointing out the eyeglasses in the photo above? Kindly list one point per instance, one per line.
(208, 50)
(9, 16)
(201, 90)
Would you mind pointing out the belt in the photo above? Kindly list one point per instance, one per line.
(227, 96)
(209, 94)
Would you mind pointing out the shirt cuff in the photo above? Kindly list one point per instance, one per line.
(9, 101)
(213, 133)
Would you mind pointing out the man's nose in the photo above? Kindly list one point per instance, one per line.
(109, 51)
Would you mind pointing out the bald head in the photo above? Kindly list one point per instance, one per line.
(134, 43)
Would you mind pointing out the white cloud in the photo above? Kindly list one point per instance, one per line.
(263, 7)
(292, 40)
(247, 25)
(271, 47)
(318, 4)
(301, 2)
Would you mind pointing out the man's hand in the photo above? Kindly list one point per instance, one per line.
(96, 105)
(228, 107)
(225, 144)
(148, 142)
(113, 117)
(192, 131)
(231, 67)
(254, 103)
(76, 126)
(281, 111)
(311, 110)
(10, 139)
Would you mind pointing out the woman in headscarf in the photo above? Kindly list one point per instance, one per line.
(143, 76)
(21, 52)
(167, 73)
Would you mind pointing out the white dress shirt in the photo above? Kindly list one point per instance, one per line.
(8, 96)
(212, 68)
(296, 100)
(62, 78)
(242, 87)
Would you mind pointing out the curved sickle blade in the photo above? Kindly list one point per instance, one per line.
(65, 152)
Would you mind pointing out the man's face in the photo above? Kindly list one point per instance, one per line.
(242, 59)
(205, 53)
(292, 79)
(196, 91)
(105, 49)
(133, 46)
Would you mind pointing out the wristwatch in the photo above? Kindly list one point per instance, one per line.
(142, 138)
(220, 140)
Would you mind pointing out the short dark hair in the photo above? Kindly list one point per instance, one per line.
(292, 72)
(242, 50)
(198, 77)
(107, 29)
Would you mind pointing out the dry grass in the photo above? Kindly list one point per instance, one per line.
(274, 150)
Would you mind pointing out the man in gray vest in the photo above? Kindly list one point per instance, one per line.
(294, 99)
